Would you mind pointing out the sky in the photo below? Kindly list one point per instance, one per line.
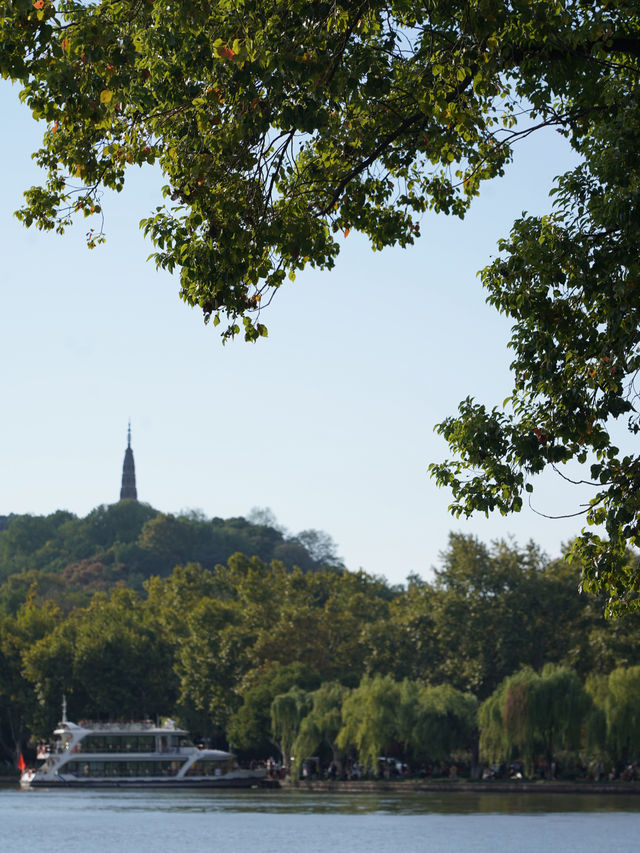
(328, 422)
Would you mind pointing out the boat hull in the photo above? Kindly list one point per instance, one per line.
(157, 784)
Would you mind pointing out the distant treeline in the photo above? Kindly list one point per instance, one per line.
(499, 658)
(127, 542)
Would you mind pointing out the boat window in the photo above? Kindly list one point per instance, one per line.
(174, 743)
(210, 767)
(124, 769)
(117, 743)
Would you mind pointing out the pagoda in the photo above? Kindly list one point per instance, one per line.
(128, 489)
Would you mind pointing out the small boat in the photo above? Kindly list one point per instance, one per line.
(133, 755)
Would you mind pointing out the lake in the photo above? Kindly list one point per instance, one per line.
(270, 821)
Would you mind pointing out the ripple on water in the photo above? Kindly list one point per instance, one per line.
(267, 821)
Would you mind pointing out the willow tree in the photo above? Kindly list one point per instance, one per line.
(369, 722)
(533, 714)
(322, 723)
(562, 706)
(278, 124)
(250, 726)
(622, 711)
(446, 722)
(287, 712)
(597, 688)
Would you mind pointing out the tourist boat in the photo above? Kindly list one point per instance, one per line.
(133, 755)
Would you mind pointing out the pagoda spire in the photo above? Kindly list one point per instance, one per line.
(128, 489)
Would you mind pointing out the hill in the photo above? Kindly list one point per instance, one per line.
(127, 542)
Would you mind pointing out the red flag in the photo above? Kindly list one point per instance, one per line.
(21, 765)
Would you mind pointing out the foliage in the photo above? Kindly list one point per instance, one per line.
(278, 125)
(48, 668)
(385, 668)
(533, 713)
(596, 687)
(320, 546)
(18, 705)
(567, 281)
(275, 124)
(479, 612)
(491, 610)
(251, 725)
(429, 721)
(322, 723)
(287, 711)
(562, 708)
(622, 712)
(308, 618)
(446, 721)
(210, 658)
(109, 659)
(172, 599)
(127, 543)
(369, 718)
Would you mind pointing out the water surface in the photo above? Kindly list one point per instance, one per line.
(274, 821)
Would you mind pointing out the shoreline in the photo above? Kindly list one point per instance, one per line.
(464, 786)
(443, 786)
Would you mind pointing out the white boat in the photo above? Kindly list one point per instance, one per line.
(133, 755)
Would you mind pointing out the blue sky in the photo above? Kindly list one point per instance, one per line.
(328, 422)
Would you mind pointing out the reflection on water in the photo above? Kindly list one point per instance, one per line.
(319, 802)
(268, 821)
(411, 803)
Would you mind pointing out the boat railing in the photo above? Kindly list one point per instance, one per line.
(44, 750)
(124, 749)
(144, 725)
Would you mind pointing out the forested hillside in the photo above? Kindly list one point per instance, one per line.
(499, 657)
(127, 542)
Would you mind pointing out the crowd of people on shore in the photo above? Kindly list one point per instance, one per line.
(312, 769)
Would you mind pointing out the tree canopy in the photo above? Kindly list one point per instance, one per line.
(535, 713)
(336, 665)
(68, 557)
(278, 125)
